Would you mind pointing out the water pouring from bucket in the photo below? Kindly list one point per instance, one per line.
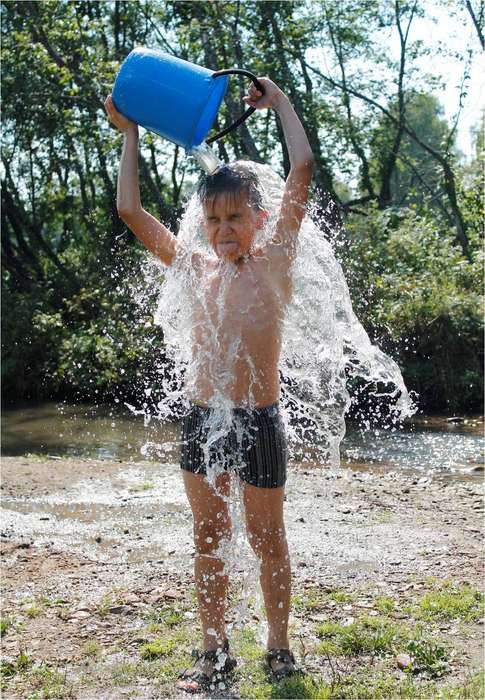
(176, 99)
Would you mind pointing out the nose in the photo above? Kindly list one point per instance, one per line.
(225, 228)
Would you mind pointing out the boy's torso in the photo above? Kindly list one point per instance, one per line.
(237, 320)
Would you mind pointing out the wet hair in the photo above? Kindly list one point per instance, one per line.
(232, 179)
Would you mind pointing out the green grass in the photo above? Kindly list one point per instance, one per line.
(12, 668)
(449, 602)
(368, 635)
(48, 682)
(384, 604)
(381, 637)
(168, 617)
(145, 486)
(33, 611)
(5, 624)
(92, 649)
(159, 647)
(341, 597)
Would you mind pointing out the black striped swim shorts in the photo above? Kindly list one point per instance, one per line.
(254, 447)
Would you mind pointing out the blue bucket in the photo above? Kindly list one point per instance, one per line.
(172, 97)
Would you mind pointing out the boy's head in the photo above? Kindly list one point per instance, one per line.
(233, 210)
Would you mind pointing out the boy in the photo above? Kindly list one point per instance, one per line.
(260, 283)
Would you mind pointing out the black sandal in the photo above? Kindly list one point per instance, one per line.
(284, 656)
(194, 679)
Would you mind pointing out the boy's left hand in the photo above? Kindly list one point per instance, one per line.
(271, 98)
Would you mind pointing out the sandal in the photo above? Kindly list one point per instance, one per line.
(284, 656)
(194, 679)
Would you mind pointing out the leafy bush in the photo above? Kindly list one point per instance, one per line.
(421, 300)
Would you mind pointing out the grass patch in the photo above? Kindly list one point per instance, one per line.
(48, 682)
(159, 647)
(381, 637)
(449, 602)
(245, 645)
(33, 611)
(125, 672)
(368, 635)
(6, 623)
(341, 597)
(429, 657)
(369, 684)
(168, 617)
(92, 649)
(384, 604)
(145, 486)
(11, 668)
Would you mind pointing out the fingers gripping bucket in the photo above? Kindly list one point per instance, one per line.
(174, 98)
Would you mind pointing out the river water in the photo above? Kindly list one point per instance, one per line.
(423, 444)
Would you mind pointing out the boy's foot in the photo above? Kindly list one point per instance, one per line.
(210, 668)
(281, 663)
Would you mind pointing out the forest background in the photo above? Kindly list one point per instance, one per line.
(77, 312)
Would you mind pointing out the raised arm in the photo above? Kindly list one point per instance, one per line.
(151, 232)
(300, 153)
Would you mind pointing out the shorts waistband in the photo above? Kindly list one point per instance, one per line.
(240, 410)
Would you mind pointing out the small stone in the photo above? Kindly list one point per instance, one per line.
(80, 615)
(119, 610)
(97, 539)
(300, 520)
(403, 661)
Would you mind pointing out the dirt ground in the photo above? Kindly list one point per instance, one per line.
(89, 547)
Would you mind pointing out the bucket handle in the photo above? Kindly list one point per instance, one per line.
(248, 112)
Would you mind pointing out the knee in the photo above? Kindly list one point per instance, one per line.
(269, 541)
(209, 533)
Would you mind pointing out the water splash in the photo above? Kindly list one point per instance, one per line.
(206, 158)
(323, 344)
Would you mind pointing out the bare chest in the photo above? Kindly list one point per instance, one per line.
(249, 301)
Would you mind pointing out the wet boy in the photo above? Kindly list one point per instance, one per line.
(261, 280)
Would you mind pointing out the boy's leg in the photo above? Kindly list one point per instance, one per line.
(212, 523)
(266, 534)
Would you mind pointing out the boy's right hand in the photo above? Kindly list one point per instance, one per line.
(120, 121)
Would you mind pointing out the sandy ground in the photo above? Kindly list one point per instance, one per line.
(74, 531)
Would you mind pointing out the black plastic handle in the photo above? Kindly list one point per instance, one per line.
(248, 112)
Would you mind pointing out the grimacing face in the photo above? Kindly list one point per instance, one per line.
(230, 223)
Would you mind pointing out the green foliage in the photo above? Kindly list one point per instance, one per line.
(70, 325)
(428, 656)
(450, 602)
(367, 635)
(423, 302)
(159, 647)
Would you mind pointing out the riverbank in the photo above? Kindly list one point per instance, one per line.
(98, 600)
